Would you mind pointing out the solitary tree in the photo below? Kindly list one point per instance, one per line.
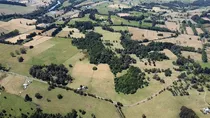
(38, 96)
(20, 59)
(59, 96)
(12, 54)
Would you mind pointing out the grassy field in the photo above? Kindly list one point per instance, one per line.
(56, 50)
(103, 8)
(70, 101)
(11, 9)
(110, 37)
(13, 103)
(86, 18)
(168, 106)
(58, 54)
(118, 21)
(118, 28)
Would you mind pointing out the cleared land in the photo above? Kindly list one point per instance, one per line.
(13, 103)
(168, 106)
(140, 34)
(70, 101)
(193, 55)
(185, 40)
(13, 84)
(189, 31)
(58, 54)
(11, 9)
(110, 37)
(75, 33)
(172, 25)
(20, 24)
(116, 6)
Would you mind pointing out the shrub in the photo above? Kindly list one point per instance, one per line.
(38, 96)
(20, 59)
(95, 68)
(59, 96)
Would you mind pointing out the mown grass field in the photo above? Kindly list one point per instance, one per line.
(13, 103)
(69, 101)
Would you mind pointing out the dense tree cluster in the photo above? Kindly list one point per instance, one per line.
(84, 25)
(13, 3)
(99, 54)
(135, 18)
(198, 19)
(10, 34)
(187, 113)
(40, 114)
(131, 81)
(57, 74)
(33, 34)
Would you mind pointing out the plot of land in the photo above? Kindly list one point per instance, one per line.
(110, 37)
(11, 9)
(69, 101)
(116, 6)
(13, 84)
(58, 54)
(20, 24)
(185, 40)
(172, 25)
(123, 14)
(49, 32)
(16, 38)
(189, 31)
(13, 103)
(199, 30)
(193, 55)
(168, 106)
(37, 40)
(140, 34)
(66, 33)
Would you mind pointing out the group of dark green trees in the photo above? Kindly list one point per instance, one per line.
(57, 74)
(131, 81)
